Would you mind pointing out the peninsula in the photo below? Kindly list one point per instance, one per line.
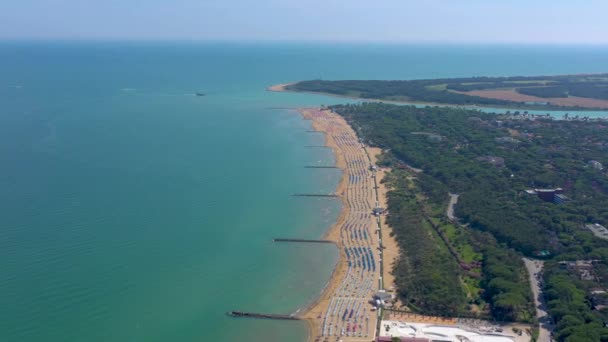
(567, 92)
(483, 217)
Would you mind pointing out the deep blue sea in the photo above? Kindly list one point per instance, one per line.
(132, 210)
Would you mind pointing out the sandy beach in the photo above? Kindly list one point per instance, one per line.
(343, 307)
(279, 87)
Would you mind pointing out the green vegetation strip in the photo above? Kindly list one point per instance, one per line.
(490, 160)
(450, 91)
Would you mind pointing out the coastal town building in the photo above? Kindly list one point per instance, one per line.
(560, 198)
(599, 299)
(401, 339)
(596, 165)
(425, 332)
(377, 211)
(583, 268)
(382, 299)
(598, 230)
(549, 195)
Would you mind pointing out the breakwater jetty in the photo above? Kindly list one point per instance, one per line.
(300, 240)
(315, 195)
(243, 314)
(320, 167)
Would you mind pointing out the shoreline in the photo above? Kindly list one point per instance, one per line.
(307, 313)
(358, 196)
(282, 88)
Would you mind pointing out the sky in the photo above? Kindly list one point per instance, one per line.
(458, 21)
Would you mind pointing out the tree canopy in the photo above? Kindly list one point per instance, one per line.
(490, 160)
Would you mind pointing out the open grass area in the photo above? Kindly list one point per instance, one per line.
(458, 238)
(437, 87)
(530, 82)
(473, 287)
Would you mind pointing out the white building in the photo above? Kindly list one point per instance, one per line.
(443, 333)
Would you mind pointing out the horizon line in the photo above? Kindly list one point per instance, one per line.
(290, 41)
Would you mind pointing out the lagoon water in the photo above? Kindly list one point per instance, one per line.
(132, 210)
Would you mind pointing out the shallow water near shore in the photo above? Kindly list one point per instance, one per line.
(133, 210)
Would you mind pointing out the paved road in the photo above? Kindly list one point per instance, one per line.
(535, 268)
(450, 210)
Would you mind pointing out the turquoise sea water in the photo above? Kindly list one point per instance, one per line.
(132, 210)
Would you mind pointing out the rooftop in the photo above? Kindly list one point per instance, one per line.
(419, 332)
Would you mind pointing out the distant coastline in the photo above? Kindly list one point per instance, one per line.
(283, 88)
(577, 93)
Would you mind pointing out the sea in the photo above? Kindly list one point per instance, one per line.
(133, 210)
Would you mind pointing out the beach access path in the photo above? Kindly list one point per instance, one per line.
(450, 210)
(535, 268)
(390, 251)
